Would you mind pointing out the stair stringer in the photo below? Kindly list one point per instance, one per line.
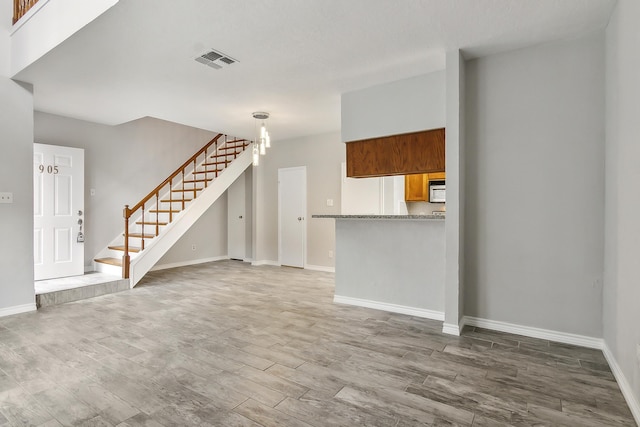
(154, 250)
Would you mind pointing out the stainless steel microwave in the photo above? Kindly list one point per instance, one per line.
(437, 192)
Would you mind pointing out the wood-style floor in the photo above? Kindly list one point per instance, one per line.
(227, 344)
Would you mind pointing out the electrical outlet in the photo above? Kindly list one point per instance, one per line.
(193, 247)
(329, 202)
(330, 254)
(6, 197)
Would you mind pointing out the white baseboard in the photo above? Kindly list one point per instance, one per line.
(393, 308)
(190, 262)
(625, 387)
(546, 334)
(320, 268)
(265, 262)
(17, 309)
(451, 329)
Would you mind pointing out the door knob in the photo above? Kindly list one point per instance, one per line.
(299, 218)
(240, 217)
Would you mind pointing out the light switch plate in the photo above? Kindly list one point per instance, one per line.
(6, 197)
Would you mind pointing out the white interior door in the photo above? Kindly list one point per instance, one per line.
(58, 203)
(292, 207)
(236, 219)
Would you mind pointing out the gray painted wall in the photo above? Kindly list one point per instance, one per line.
(123, 163)
(16, 176)
(209, 234)
(322, 155)
(456, 202)
(622, 223)
(535, 186)
(408, 105)
(6, 18)
(415, 249)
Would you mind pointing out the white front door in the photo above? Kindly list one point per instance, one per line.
(292, 213)
(236, 219)
(58, 209)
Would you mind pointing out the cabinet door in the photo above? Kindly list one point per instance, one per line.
(416, 187)
(437, 176)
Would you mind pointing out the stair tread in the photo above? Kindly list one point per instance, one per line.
(226, 155)
(175, 200)
(193, 181)
(207, 171)
(189, 190)
(164, 211)
(139, 235)
(152, 223)
(216, 163)
(133, 249)
(111, 261)
(239, 148)
(229, 147)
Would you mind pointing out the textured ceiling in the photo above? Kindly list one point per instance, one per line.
(295, 56)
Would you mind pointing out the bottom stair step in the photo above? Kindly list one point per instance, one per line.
(67, 289)
(110, 261)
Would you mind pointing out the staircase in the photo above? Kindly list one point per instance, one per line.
(158, 221)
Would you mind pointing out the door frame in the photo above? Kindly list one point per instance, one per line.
(304, 213)
(238, 184)
(77, 196)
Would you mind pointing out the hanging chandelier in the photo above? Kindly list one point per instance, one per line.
(263, 140)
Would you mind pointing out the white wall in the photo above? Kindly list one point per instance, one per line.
(123, 163)
(535, 186)
(456, 202)
(16, 176)
(403, 106)
(48, 24)
(322, 155)
(360, 196)
(622, 222)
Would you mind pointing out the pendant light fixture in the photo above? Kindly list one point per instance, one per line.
(263, 140)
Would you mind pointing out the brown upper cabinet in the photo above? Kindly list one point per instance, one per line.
(416, 186)
(405, 154)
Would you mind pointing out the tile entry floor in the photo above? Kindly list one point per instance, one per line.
(65, 283)
(227, 344)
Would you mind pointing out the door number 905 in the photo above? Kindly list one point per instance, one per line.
(48, 169)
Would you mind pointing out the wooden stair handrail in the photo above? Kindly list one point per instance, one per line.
(173, 175)
(155, 193)
(21, 7)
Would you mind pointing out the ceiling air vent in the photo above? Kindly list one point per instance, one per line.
(215, 59)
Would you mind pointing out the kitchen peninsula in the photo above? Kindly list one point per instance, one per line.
(391, 262)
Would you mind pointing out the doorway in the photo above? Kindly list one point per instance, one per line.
(236, 217)
(58, 211)
(292, 213)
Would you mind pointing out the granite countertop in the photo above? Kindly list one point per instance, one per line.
(436, 217)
